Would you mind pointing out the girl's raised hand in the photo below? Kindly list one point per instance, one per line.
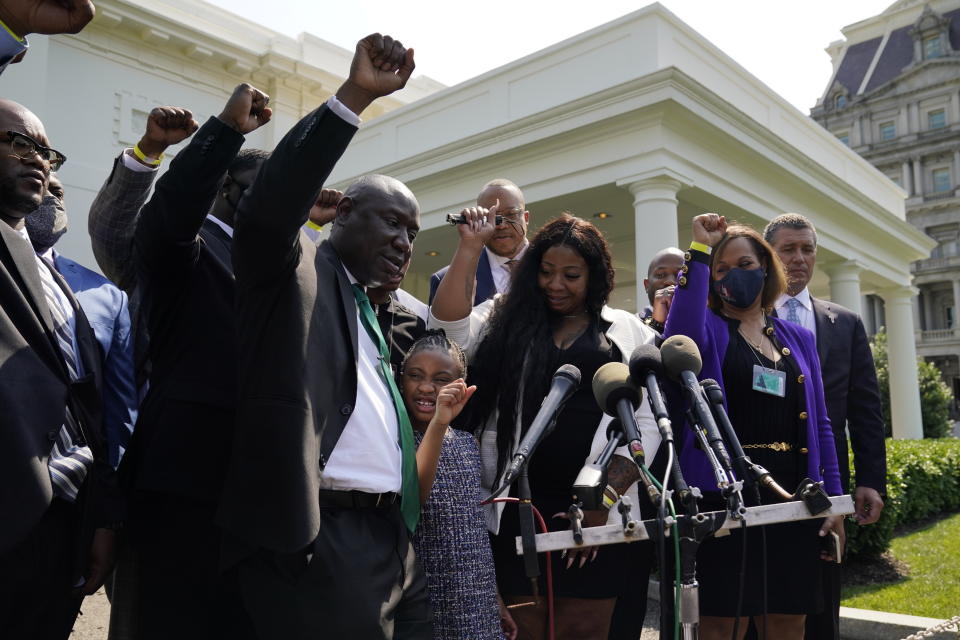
(451, 399)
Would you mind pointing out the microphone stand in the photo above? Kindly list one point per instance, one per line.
(528, 531)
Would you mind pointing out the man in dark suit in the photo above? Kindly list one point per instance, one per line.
(59, 505)
(106, 309)
(850, 388)
(506, 246)
(320, 499)
(177, 458)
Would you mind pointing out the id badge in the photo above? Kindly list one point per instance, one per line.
(769, 381)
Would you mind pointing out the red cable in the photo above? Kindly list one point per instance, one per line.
(543, 529)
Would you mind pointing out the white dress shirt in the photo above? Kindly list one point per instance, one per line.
(227, 229)
(499, 269)
(367, 456)
(804, 310)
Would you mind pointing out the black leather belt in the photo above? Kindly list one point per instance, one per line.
(357, 499)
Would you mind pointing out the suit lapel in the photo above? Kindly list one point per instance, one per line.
(24, 263)
(25, 302)
(485, 286)
(218, 242)
(824, 318)
(348, 305)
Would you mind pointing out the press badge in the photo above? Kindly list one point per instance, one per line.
(769, 381)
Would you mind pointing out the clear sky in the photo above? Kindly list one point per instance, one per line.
(780, 42)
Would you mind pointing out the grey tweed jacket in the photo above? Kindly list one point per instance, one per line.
(113, 220)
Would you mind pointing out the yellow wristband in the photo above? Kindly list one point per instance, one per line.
(8, 30)
(608, 502)
(142, 157)
(702, 248)
(313, 225)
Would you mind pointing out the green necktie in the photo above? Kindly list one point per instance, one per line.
(410, 487)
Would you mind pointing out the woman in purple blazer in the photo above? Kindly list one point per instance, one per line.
(773, 391)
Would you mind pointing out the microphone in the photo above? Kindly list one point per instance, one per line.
(565, 382)
(681, 360)
(645, 369)
(592, 480)
(747, 469)
(619, 397)
(455, 219)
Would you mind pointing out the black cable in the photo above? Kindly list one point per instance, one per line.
(763, 544)
(743, 579)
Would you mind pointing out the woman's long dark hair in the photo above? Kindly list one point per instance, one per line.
(522, 324)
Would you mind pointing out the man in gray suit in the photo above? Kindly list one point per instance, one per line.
(849, 386)
(320, 500)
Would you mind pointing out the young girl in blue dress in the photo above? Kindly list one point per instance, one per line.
(451, 540)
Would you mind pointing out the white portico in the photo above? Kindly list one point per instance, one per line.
(646, 121)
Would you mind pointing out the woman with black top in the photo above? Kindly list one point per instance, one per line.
(770, 374)
(554, 314)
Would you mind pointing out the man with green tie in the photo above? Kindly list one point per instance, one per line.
(322, 494)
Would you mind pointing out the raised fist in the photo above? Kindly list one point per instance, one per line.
(708, 228)
(381, 65)
(166, 126)
(246, 110)
(24, 17)
(324, 210)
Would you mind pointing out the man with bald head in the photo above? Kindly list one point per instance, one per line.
(59, 506)
(659, 285)
(505, 248)
(322, 494)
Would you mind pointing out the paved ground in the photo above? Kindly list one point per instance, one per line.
(95, 621)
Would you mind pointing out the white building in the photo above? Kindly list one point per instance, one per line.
(645, 120)
(93, 91)
(641, 118)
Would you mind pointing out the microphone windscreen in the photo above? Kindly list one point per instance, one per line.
(645, 359)
(709, 382)
(680, 353)
(612, 383)
(570, 372)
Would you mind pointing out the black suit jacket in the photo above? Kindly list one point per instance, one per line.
(34, 393)
(852, 393)
(486, 287)
(185, 276)
(297, 345)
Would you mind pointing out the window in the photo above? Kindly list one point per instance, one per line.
(932, 47)
(839, 101)
(941, 180)
(888, 131)
(844, 138)
(936, 119)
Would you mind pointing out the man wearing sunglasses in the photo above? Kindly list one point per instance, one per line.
(504, 249)
(61, 506)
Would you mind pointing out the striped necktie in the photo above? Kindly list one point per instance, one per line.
(70, 456)
(410, 483)
(792, 315)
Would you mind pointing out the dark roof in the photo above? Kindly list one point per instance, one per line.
(898, 53)
(895, 56)
(855, 63)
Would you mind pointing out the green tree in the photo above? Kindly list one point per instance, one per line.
(935, 395)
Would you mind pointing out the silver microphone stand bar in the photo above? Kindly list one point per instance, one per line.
(635, 530)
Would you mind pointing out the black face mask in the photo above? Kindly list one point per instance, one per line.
(740, 287)
(47, 223)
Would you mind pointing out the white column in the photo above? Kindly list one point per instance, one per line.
(845, 284)
(956, 303)
(907, 178)
(917, 322)
(956, 169)
(917, 177)
(928, 324)
(654, 223)
(902, 361)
